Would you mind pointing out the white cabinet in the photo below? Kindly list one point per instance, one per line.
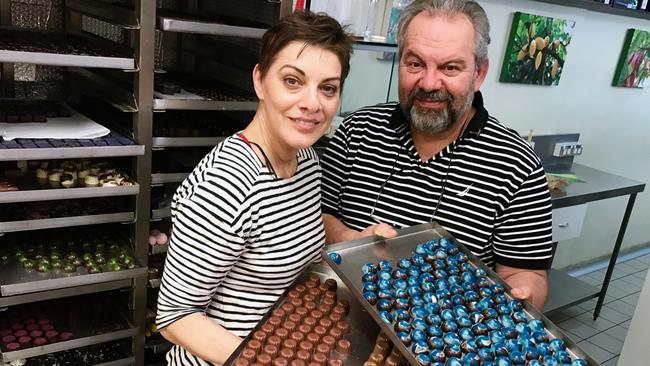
(567, 222)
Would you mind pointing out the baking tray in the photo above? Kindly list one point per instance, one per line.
(355, 253)
(363, 330)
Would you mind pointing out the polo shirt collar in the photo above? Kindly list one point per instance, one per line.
(399, 121)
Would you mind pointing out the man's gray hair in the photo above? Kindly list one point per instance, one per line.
(471, 9)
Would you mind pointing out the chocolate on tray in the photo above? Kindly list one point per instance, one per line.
(297, 332)
(447, 311)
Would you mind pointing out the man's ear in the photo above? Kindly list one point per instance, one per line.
(257, 82)
(481, 73)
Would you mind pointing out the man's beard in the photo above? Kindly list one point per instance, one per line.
(431, 121)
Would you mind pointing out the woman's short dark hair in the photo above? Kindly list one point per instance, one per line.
(312, 29)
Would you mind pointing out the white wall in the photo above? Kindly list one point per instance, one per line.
(614, 123)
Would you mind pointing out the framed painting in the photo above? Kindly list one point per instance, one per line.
(537, 50)
(633, 66)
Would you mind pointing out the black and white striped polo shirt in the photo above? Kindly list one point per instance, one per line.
(496, 200)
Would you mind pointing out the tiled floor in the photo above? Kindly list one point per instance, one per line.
(603, 338)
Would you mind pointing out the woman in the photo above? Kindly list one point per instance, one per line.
(247, 220)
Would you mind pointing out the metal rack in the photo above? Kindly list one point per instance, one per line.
(95, 52)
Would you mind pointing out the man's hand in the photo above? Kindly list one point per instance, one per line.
(336, 231)
(384, 230)
(527, 284)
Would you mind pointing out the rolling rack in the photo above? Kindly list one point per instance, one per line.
(62, 24)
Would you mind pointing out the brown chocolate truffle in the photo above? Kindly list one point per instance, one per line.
(343, 346)
(290, 344)
(259, 335)
(343, 326)
(320, 330)
(316, 314)
(303, 355)
(325, 323)
(296, 302)
(297, 363)
(331, 284)
(274, 340)
(323, 348)
(248, 354)
(300, 288)
(335, 318)
(304, 328)
(329, 340)
(279, 313)
(282, 333)
(265, 359)
(301, 311)
(297, 336)
(271, 350)
(241, 362)
(289, 325)
(320, 359)
(287, 353)
(255, 345)
(281, 361)
(336, 333)
(310, 321)
(294, 318)
(287, 307)
(267, 328)
(313, 337)
(307, 346)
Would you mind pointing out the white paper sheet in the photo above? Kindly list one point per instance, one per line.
(77, 126)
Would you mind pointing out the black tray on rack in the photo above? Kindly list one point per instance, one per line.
(87, 320)
(354, 254)
(63, 49)
(363, 331)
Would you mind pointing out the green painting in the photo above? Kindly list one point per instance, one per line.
(634, 64)
(536, 50)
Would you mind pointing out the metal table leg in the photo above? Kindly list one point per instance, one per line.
(612, 259)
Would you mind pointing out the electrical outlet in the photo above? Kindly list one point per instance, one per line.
(562, 149)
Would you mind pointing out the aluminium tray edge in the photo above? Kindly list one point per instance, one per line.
(34, 195)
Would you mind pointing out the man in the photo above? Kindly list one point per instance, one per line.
(438, 155)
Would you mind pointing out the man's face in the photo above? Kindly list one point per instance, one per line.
(438, 74)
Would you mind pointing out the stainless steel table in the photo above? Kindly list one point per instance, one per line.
(564, 290)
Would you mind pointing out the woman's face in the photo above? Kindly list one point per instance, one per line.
(299, 94)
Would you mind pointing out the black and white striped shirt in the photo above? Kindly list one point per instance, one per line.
(496, 200)
(240, 238)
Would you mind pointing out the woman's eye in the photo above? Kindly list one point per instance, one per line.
(291, 81)
(329, 89)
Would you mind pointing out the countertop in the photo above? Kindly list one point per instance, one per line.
(597, 185)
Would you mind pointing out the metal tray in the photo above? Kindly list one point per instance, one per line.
(355, 253)
(112, 320)
(56, 222)
(363, 331)
(15, 280)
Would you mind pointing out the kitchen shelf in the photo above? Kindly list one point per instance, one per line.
(202, 105)
(67, 193)
(164, 178)
(161, 213)
(182, 23)
(18, 281)
(67, 345)
(599, 7)
(25, 225)
(198, 93)
(57, 49)
(158, 249)
(113, 145)
(92, 82)
(65, 292)
(127, 18)
(157, 344)
(162, 142)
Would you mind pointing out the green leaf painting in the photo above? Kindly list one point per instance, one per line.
(634, 64)
(536, 50)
